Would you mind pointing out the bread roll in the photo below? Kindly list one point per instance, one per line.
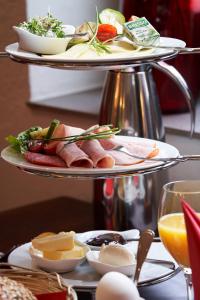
(12, 290)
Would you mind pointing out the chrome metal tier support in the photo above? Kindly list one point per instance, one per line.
(130, 102)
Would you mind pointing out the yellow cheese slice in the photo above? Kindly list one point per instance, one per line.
(60, 241)
(76, 252)
(44, 234)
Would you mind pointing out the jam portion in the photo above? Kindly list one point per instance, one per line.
(106, 239)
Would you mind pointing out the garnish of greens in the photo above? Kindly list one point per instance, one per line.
(107, 17)
(21, 142)
(51, 129)
(44, 26)
(94, 43)
(98, 46)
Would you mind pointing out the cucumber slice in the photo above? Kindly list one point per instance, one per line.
(113, 17)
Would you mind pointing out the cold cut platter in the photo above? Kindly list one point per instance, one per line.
(76, 152)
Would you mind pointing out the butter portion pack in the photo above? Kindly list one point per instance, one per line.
(142, 32)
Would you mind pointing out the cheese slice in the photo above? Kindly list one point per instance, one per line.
(76, 252)
(60, 241)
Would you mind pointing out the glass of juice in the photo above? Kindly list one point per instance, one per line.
(171, 224)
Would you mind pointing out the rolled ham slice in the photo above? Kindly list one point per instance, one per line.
(146, 149)
(73, 155)
(44, 160)
(122, 159)
(61, 131)
(100, 158)
(142, 151)
(138, 150)
(111, 143)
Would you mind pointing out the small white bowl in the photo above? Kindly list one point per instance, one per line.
(59, 266)
(41, 44)
(101, 268)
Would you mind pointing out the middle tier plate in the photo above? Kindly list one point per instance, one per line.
(165, 150)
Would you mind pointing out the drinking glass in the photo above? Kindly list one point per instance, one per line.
(171, 224)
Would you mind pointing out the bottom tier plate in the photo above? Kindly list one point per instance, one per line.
(84, 278)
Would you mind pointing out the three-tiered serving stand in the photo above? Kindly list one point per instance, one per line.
(125, 198)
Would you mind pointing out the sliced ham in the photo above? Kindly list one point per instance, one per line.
(60, 131)
(122, 159)
(100, 158)
(44, 160)
(138, 150)
(143, 148)
(111, 143)
(75, 130)
(73, 155)
(142, 151)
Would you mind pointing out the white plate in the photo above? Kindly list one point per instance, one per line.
(127, 234)
(101, 268)
(85, 278)
(165, 150)
(14, 50)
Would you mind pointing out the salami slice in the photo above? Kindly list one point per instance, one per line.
(44, 160)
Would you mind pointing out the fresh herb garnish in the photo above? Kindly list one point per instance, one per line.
(51, 129)
(44, 26)
(98, 46)
(88, 135)
(21, 142)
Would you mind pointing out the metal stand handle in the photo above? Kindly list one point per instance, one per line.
(183, 86)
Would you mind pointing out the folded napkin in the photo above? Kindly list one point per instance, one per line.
(192, 221)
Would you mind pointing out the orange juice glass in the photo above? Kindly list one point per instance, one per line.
(171, 224)
(172, 232)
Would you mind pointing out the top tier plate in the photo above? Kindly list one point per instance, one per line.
(102, 62)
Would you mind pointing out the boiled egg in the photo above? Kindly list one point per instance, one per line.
(116, 286)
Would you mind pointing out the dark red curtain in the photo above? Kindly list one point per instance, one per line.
(179, 19)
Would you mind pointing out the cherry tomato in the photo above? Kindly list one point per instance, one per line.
(106, 32)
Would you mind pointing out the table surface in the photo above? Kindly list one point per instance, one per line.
(172, 289)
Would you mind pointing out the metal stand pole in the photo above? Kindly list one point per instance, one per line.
(130, 102)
